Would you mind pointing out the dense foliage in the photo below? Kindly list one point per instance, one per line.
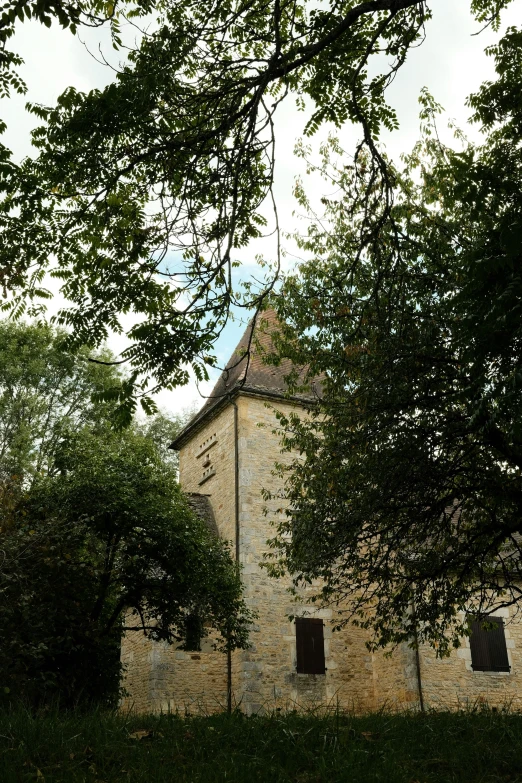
(407, 494)
(97, 536)
(143, 193)
(45, 393)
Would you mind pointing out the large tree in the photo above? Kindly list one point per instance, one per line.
(143, 193)
(96, 535)
(406, 497)
(46, 392)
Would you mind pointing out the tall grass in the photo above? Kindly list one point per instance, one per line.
(114, 748)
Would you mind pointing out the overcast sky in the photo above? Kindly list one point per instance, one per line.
(451, 63)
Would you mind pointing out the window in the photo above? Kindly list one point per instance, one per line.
(488, 647)
(310, 645)
(204, 451)
(193, 633)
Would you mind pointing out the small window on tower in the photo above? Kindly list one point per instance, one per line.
(488, 646)
(206, 463)
(310, 645)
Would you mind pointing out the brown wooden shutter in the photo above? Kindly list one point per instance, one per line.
(310, 645)
(193, 632)
(479, 648)
(488, 648)
(497, 647)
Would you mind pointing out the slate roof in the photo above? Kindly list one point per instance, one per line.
(247, 371)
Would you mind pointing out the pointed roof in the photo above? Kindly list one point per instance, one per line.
(247, 372)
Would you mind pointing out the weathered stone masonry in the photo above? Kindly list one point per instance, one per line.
(229, 451)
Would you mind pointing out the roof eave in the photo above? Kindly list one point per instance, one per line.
(250, 391)
(200, 420)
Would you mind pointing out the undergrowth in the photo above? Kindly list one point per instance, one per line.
(99, 747)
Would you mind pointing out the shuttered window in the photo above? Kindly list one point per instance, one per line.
(310, 645)
(193, 633)
(488, 647)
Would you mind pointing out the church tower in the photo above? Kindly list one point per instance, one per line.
(227, 457)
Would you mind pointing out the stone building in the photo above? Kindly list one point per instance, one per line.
(227, 455)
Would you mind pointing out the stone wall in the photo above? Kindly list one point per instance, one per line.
(161, 678)
(206, 465)
(395, 679)
(158, 676)
(135, 657)
(264, 677)
(451, 682)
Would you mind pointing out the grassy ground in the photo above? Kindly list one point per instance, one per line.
(97, 748)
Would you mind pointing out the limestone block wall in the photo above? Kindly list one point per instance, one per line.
(207, 466)
(451, 683)
(161, 677)
(135, 651)
(265, 676)
(395, 679)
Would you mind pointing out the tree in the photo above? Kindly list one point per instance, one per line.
(162, 428)
(70, 15)
(143, 193)
(99, 541)
(46, 392)
(406, 494)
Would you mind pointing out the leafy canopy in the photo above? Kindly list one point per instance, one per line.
(407, 494)
(69, 15)
(46, 393)
(97, 536)
(144, 194)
